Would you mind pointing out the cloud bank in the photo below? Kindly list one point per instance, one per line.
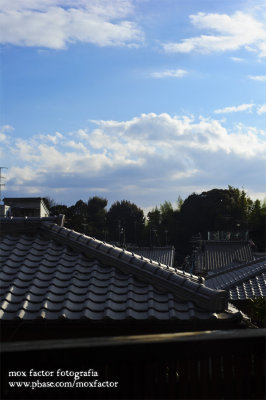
(54, 24)
(229, 32)
(147, 159)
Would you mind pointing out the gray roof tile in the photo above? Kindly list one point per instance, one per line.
(242, 281)
(58, 273)
(214, 255)
(163, 255)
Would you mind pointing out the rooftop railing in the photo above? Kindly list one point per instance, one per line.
(192, 365)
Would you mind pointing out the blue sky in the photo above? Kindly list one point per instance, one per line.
(143, 100)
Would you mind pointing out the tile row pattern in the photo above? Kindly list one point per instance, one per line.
(216, 254)
(184, 286)
(42, 278)
(242, 281)
(164, 255)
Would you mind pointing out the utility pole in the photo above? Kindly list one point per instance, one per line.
(1, 184)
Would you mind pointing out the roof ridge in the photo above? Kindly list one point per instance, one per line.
(235, 267)
(224, 241)
(151, 247)
(27, 224)
(244, 276)
(181, 285)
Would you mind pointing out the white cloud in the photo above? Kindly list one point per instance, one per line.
(22, 175)
(261, 109)
(242, 107)
(260, 78)
(233, 32)
(256, 195)
(55, 24)
(116, 8)
(2, 137)
(147, 158)
(185, 174)
(77, 146)
(6, 128)
(169, 73)
(52, 138)
(237, 59)
(82, 134)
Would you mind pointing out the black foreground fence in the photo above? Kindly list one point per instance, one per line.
(192, 365)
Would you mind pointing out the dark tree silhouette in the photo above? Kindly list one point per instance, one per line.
(77, 217)
(96, 210)
(217, 209)
(257, 224)
(49, 202)
(125, 222)
(162, 223)
(58, 209)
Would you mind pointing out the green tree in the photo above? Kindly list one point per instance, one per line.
(168, 222)
(255, 309)
(241, 206)
(77, 217)
(153, 227)
(180, 202)
(96, 217)
(162, 225)
(125, 221)
(154, 217)
(213, 210)
(58, 209)
(257, 225)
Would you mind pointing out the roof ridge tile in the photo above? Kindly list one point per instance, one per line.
(238, 279)
(142, 269)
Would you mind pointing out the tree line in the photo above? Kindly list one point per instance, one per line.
(228, 210)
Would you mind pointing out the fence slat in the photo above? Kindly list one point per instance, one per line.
(219, 367)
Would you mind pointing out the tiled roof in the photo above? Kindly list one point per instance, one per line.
(214, 255)
(164, 255)
(57, 273)
(242, 281)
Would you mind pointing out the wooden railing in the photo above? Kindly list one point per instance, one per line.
(192, 365)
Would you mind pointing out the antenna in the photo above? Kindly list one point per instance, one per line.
(1, 184)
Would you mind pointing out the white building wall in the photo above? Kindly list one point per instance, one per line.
(5, 211)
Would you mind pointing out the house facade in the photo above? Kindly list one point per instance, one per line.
(24, 207)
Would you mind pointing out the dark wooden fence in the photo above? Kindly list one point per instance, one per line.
(193, 365)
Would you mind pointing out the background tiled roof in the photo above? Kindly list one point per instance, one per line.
(164, 255)
(242, 281)
(216, 254)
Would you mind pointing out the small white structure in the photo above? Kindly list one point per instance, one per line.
(5, 211)
(24, 207)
